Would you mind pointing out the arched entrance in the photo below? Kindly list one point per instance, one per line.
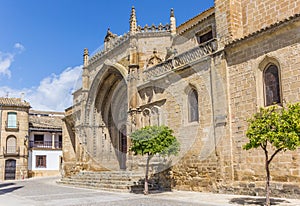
(107, 119)
(10, 169)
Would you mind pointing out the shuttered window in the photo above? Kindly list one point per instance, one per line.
(12, 120)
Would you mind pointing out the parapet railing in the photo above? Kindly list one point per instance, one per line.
(113, 43)
(45, 144)
(153, 28)
(180, 60)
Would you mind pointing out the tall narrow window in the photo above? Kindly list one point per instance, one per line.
(272, 85)
(11, 120)
(193, 106)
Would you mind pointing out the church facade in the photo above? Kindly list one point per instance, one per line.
(204, 79)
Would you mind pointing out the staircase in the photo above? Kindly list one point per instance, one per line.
(118, 181)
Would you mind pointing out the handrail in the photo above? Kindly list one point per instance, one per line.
(180, 60)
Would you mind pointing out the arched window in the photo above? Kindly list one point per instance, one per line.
(193, 106)
(11, 145)
(272, 85)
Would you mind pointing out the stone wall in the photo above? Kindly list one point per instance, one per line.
(21, 145)
(238, 18)
(245, 64)
(258, 14)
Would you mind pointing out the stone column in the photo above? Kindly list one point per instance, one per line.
(53, 140)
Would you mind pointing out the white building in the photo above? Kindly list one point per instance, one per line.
(45, 143)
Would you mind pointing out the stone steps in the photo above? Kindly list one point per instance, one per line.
(121, 181)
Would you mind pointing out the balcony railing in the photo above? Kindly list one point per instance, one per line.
(181, 60)
(45, 144)
(11, 151)
(12, 127)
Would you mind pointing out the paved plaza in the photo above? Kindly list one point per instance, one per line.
(45, 191)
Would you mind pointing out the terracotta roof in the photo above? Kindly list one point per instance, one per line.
(45, 121)
(271, 26)
(15, 102)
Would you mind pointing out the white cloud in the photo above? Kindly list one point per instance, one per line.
(54, 92)
(19, 46)
(5, 61)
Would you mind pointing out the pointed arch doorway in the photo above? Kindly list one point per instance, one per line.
(107, 143)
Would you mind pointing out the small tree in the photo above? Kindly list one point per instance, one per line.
(274, 129)
(152, 140)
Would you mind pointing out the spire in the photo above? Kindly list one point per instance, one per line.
(132, 21)
(172, 13)
(172, 22)
(85, 57)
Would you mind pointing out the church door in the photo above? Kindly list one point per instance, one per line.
(122, 149)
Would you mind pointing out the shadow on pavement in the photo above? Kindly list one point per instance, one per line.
(255, 201)
(10, 189)
(6, 184)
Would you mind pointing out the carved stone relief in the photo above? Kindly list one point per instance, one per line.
(154, 59)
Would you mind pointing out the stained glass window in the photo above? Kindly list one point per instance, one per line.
(272, 85)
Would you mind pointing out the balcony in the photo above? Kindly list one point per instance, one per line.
(11, 151)
(12, 128)
(45, 144)
(181, 60)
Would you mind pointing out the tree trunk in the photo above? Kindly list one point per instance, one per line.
(146, 189)
(268, 203)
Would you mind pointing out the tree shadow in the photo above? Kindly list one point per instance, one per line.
(157, 183)
(10, 189)
(6, 184)
(255, 201)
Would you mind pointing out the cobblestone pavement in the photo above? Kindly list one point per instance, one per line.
(45, 192)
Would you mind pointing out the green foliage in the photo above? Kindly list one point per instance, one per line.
(153, 140)
(276, 125)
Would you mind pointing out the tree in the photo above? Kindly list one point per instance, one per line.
(274, 129)
(152, 140)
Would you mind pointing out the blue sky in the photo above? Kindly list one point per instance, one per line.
(42, 41)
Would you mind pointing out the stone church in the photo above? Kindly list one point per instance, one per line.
(204, 79)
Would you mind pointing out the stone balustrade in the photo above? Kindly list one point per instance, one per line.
(180, 60)
(153, 28)
(112, 44)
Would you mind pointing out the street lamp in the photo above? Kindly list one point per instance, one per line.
(25, 139)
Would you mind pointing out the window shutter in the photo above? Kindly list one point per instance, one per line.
(12, 120)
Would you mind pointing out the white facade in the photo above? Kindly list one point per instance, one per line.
(45, 143)
(53, 159)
